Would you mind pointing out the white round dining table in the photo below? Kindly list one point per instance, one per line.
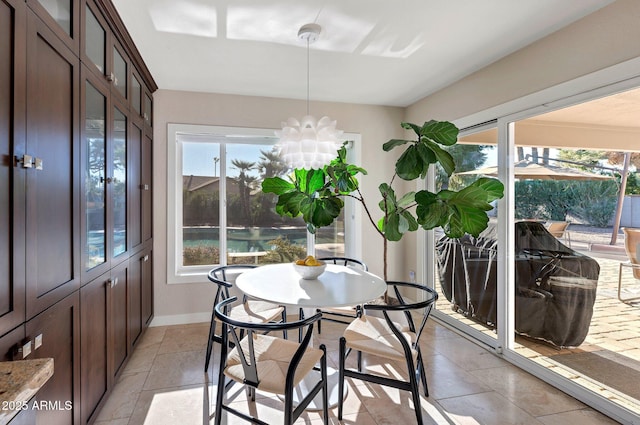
(338, 286)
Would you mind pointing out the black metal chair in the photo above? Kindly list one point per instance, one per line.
(384, 337)
(340, 314)
(253, 311)
(268, 363)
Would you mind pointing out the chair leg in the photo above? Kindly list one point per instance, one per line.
(319, 323)
(212, 332)
(288, 406)
(325, 395)
(219, 396)
(359, 361)
(415, 392)
(341, 365)
(423, 374)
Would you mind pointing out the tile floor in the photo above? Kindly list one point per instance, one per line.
(164, 383)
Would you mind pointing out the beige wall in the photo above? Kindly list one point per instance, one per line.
(606, 38)
(376, 125)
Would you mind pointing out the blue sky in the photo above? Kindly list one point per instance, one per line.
(198, 158)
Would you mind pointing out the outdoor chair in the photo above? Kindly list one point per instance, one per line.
(631, 246)
(267, 363)
(378, 333)
(341, 314)
(252, 311)
(559, 229)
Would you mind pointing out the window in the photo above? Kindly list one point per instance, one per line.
(219, 214)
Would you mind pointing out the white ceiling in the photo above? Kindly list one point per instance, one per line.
(378, 52)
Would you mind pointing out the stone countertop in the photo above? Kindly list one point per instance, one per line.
(20, 380)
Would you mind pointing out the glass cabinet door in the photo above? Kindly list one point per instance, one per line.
(61, 11)
(119, 182)
(147, 110)
(95, 44)
(119, 73)
(95, 177)
(136, 95)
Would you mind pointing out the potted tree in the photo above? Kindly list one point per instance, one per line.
(317, 195)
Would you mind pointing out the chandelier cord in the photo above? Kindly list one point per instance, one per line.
(308, 66)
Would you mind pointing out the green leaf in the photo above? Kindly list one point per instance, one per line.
(410, 126)
(459, 212)
(409, 165)
(310, 180)
(290, 203)
(276, 185)
(326, 210)
(411, 220)
(431, 211)
(444, 157)
(388, 202)
(393, 230)
(393, 143)
(493, 187)
(442, 132)
(380, 224)
(427, 155)
(408, 199)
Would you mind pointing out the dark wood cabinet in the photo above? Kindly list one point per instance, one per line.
(94, 358)
(75, 198)
(93, 151)
(105, 317)
(10, 343)
(139, 186)
(146, 165)
(147, 109)
(55, 333)
(147, 286)
(12, 175)
(101, 51)
(62, 16)
(51, 204)
(118, 318)
(140, 294)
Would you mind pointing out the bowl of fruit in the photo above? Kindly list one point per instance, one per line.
(309, 268)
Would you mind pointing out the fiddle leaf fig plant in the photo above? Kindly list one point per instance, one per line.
(318, 195)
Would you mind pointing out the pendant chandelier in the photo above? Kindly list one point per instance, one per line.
(308, 143)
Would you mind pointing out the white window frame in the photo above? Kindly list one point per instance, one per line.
(179, 274)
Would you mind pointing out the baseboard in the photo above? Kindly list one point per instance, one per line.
(181, 319)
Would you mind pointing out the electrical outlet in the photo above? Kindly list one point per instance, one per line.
(412, 276)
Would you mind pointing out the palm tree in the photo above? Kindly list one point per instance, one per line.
(245, 182)
(271, 164)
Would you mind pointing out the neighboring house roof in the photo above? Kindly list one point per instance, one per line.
(193, 183)
(207, 184)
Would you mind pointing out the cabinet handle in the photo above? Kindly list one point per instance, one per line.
(26, 161)
(145, 258)
(22, 350)
(113, 282)
(39, 164)
(145, 116)
(111, 77)
(37, 342)
(144, 186)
